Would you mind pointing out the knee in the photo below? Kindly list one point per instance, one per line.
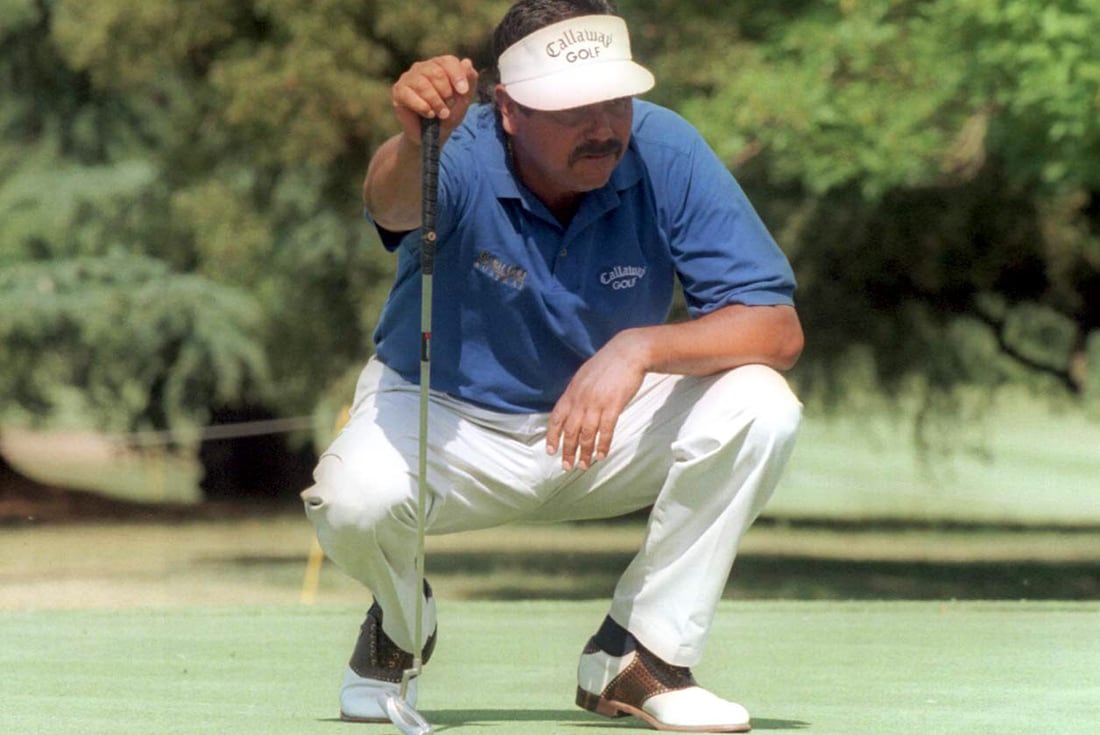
(776, 411)
(343, 500)
(751, 405)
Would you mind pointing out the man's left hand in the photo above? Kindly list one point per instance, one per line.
(583, 420)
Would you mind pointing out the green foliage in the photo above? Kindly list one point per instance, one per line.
(17, 13)
(52, 207)
(146, 347)
(841, 97)
(1037, 65)
(930, 166)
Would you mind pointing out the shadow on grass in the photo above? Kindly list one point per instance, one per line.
(449, 718)
(578, 575)
(826, 579)
(583, 575)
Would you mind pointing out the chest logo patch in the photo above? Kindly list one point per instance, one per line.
(492, 266)
(622, 277)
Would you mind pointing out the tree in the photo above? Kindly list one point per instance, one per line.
(221, 143)
(931, 167)
(185, 178)
(141, 343)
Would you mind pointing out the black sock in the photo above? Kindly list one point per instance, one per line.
(613, 638)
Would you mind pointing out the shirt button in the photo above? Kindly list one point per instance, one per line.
(563, 253)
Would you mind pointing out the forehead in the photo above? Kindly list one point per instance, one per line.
(618, 109)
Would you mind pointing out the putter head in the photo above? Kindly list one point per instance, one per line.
(404, 717)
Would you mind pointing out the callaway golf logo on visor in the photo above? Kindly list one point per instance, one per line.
(573, 63)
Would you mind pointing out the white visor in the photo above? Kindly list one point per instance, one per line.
(573, 63)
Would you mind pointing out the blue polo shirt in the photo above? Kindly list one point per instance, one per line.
(520, 301)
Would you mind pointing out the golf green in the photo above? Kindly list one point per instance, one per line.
(509, 667)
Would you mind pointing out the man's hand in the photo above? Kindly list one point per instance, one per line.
(583, 421)
(443, 87)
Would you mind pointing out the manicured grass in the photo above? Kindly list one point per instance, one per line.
(194, 628)
(508, 667)
(1026, 463)
(263, 561)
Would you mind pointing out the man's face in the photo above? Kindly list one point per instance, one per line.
(562, 154)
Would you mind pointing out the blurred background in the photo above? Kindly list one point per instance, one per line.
(188, 287)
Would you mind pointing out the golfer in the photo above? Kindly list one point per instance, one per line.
(569, 211)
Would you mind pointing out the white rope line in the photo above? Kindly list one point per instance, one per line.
(218, 431)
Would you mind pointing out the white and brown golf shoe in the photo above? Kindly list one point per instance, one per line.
(375, 670)
(664, 696)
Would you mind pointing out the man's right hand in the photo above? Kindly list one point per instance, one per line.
(443, 87)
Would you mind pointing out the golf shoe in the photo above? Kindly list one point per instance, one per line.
(664, 696)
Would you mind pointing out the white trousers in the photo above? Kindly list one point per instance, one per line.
(706, 453)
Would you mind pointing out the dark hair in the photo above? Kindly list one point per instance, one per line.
(528, 16)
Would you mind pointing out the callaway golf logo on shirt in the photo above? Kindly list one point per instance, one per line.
(622, 276)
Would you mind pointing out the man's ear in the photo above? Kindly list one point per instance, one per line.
(508, 109)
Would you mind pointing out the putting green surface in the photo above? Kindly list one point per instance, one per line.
(508, 667)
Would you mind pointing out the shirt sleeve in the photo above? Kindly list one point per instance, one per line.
(450, 167)
(390, 240)
(723, 252)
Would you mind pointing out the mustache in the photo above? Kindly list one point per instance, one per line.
(611, 147)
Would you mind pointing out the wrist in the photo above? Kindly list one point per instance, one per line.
(638, 349)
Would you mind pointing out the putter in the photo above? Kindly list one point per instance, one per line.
(398, 709)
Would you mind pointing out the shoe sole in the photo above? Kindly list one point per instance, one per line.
(611, 708)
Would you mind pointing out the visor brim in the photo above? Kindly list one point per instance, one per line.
(585, 85)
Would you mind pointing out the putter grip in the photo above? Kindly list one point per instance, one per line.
(429, 151)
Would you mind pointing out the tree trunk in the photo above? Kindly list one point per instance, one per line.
(9, 476)
(20, 496)
(258, 469)
(26, 501)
